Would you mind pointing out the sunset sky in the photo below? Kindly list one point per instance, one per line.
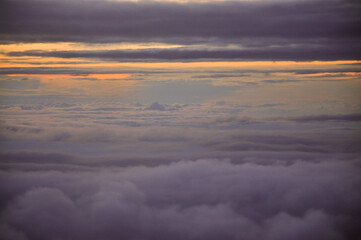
(151, 120)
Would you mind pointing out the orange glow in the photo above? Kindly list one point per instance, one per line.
(62, 76)
(352, 74)
(72, 46)
(253, 64)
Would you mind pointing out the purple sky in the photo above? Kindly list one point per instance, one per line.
(151, 120)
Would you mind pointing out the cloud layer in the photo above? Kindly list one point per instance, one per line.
(265, 30)
(205, 199)
(276, 19)
(152, 120)
(280, 53)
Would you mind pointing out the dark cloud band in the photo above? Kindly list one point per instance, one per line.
(302, 53)
(98, 21)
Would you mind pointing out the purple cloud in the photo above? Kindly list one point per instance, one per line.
(205, 199)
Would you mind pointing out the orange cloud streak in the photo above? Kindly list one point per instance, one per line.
(62, 76)
(333, 74)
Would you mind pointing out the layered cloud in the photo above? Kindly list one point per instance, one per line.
(156, 20)
(260, 30)
(180, 120)
(280, 53)
(137, 134)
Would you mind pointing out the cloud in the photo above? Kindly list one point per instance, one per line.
(156, 106)
(280, 30)
(75, 166)
(163, 107)
(31, 107)
(235, 119)
(14, 84)
(352, 117)
(314, 225)
(205, 199)
(299, 53)
(275, 19)
(171, 130)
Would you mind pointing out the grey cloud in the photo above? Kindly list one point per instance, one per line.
(205, 199)
(44, 161)
(300, 53)
(312, 71)
(9, 234)
(269, 105)
(21, 129)
(75, 109)
(274, 143)
(235, 119)
(72, 21)
(156, 106)
(19, 84)
(316, 27)
(161, 129)
(352, 117)
(61, 105)
(163, 107)
(31, 107)
(314, 225)
(221, 103)
(161, 146)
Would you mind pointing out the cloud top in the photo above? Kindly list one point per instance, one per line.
(205, 199)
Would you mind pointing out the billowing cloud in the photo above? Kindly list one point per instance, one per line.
(205, 199)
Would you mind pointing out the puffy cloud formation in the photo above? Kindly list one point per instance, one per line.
(203, 199)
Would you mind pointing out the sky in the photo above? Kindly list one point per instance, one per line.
(151, 120)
